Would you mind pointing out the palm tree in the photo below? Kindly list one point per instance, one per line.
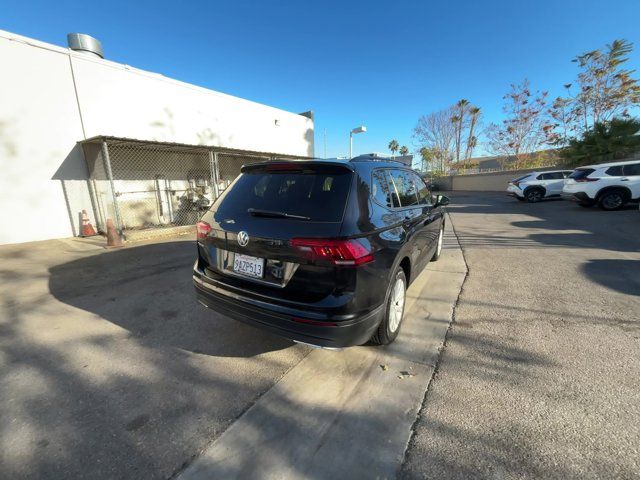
(426, 156)
(461, 108)
(472, 141)
(404, 150)
(393, 147)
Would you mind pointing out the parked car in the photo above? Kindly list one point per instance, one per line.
(610, 185)
(318, 251)
(536, 186)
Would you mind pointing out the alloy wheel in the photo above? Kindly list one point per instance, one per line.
(396, 304)
(440, 241)
(534, 196)
(612, 201)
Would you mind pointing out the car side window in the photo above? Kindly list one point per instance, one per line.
(566, 174)
(424, 194)
(551, 176)
(405, 186)
(633, 169)
(381, 191)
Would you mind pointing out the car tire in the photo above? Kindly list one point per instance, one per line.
(534, 195)
(394, 310)
(440, 241)
(612, 200)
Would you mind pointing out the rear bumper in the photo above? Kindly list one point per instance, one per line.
(514, 191)
(576, 196)
(322, 330)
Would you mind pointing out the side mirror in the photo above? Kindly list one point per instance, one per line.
(441, 201)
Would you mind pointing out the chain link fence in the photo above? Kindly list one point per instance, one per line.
(142, 185)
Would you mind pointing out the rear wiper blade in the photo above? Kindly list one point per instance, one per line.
(270, 213)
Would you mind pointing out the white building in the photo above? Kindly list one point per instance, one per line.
(52, 98)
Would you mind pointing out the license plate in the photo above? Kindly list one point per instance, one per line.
(248, 265)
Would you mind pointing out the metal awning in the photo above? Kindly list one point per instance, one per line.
(123, 141)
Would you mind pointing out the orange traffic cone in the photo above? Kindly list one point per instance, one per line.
(113, 237)
(86, 229)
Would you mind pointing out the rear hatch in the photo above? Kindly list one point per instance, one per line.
(253, 238)
(516, 181)
(580, 175)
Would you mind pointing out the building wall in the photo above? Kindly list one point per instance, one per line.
(52, 98)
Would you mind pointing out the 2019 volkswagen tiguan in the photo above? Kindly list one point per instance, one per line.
(319, 251)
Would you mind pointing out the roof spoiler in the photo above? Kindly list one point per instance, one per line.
(299, 166)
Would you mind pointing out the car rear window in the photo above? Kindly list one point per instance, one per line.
(581, 173)
(318, 193)
(519, 179)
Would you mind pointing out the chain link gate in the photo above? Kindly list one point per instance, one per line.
(142, 185)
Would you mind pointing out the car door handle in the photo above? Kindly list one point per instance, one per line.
(624, 179)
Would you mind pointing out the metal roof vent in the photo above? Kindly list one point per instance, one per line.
(81, 42)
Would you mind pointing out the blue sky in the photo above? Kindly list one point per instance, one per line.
(381, 64)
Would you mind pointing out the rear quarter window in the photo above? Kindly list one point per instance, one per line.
(614, 171)
(380, 191)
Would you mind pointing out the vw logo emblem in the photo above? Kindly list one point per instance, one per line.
(243, 239)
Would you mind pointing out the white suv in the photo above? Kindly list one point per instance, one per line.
(610, 185)
(535, 186)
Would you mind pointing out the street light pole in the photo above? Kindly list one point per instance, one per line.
(350, 145)
(360, 129)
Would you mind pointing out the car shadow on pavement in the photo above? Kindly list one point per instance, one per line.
(109, 368)
(616, 274)
(147, 290)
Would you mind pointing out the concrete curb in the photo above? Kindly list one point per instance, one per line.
(342, 414)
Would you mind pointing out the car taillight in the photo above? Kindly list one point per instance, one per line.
(283, 167)
(202, 230)
(338, 252)
(586, 179)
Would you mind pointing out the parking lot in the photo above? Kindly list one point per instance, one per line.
(110, 369)
(539, 378)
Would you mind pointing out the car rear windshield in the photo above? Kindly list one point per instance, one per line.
(581, 173)
(519, 179)
(318, 193)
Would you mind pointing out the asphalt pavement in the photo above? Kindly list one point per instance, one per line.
(540, 376)
(109, 368)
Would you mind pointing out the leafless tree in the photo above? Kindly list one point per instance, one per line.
(526, 128)
(436, 132)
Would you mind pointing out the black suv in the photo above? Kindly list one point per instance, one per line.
(319, 251)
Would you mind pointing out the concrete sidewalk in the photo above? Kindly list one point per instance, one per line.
(345, 414)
